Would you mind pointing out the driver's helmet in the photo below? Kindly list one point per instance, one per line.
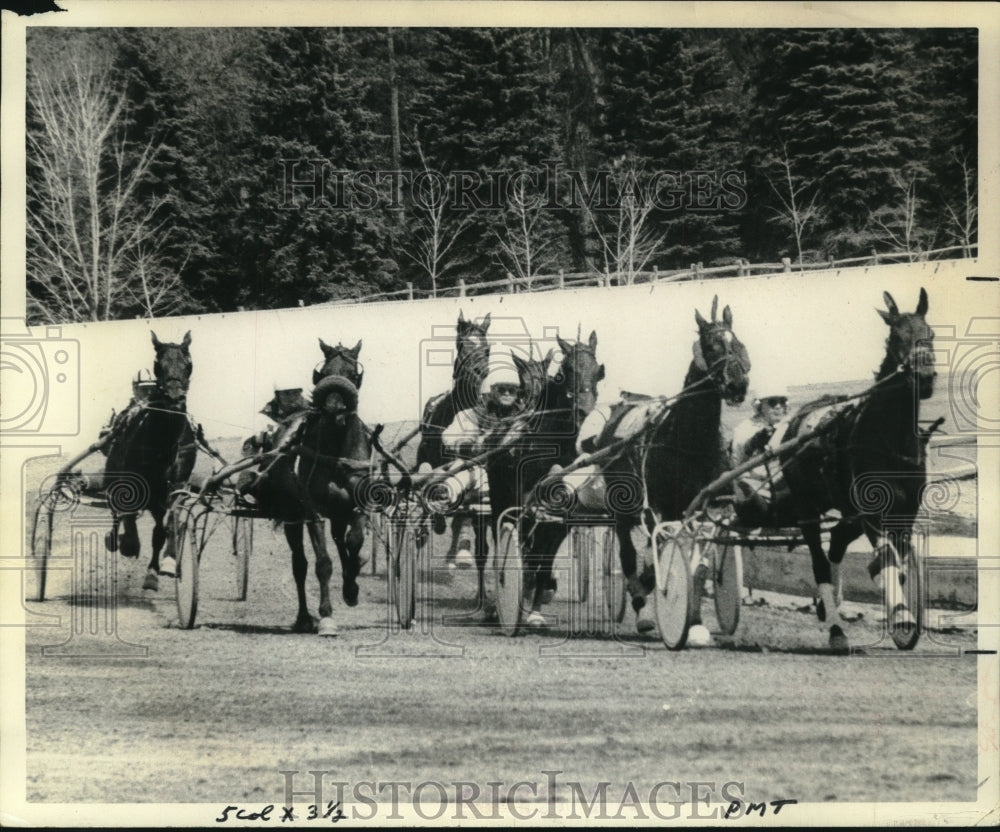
(772, 395)
(143, 386)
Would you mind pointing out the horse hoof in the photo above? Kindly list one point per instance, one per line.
(535, 620)
(111, 542)
(699, 636)
(129, 548)
(490, 614)
(838, 641)
(644, 622)
(168, 567)
(327, 627)
(464, 559)
(304, 624)
(152, 581)
(902, 619)
(351, 593)
(440, 524)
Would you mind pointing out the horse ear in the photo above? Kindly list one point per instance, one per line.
(564, 346)
(599, 375)
(486, 322)
(327, 349)
(890, 304)
(715, 306)
(156, 341)
(593, 340)
(187, 339)
(922, 304)
(461, 316)
(357, 348)
(727, 316)
(702, 323)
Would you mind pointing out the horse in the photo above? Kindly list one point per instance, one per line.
(151, 449)
(319, 478)
(868, 461)
(681, 453)
(468, 374)
(543, 436)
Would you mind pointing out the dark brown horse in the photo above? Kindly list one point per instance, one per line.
(318, 478)
(683, 450)
(545, 435)
(152, 448)
(868, 461)
(469, 371)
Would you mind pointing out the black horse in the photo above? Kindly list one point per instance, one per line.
(469, 371)
(868, 461)
(544, 436)
(325, 456)
(683, 450)
(151, 449)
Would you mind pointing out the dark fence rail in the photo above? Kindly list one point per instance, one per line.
(576, 280)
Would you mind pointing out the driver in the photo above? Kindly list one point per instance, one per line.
(758, 489)
(503, 401)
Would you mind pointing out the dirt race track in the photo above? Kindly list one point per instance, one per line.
(143, 711)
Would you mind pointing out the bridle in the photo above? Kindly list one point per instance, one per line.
(355, 375)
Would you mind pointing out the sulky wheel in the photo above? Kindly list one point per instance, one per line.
(508, 572)
(242, 546)
(615, 592)
(182, 538)
(380, 531)
(725, 562)
(674, 591)
(41, 546)
(910, 568)
(403, 568)
(581, 540)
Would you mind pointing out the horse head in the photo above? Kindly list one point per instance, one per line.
(721, 355)
(909, 347)
(340, 361)
(471, 347)
(172, 368)
(579, 374)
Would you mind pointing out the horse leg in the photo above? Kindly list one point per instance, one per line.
(890, 549)
(840, 537)
(129, 543)
(324, 571)
(826, 607)
(460, 551)
(636, 587)
(544, 545)
(111, 538)
(349, 536)
(152, 579)
(304, 622)
(482, 529)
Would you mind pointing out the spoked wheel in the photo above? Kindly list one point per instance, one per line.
(183, 534)
(725, 560)
(242, 546)
(615, 593)
(906, 638)
(674, 590)
(41, 547)
(380, 531)
(508, 572)
(410, 536)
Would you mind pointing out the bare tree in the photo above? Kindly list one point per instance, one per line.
(524, 240)
(796, 212)
(628, 240)
(965, 219)
(897, 225)
(432, 231)
(87, 229)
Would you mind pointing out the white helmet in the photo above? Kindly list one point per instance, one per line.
(769, 391)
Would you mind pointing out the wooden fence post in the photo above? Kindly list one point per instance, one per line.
(409, 291)
(786, 264)
(607, 277)
(875, 256)
(656, 275)
(510, 283)
(562, 279)
(461, 287)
